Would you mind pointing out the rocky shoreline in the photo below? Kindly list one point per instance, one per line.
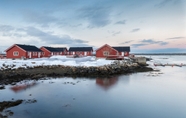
(10, 76)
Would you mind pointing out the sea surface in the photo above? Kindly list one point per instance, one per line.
(158, 94)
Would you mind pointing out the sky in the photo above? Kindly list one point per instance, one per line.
(144, 25)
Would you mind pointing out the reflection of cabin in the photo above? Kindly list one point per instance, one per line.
(23, 51)
(106, 83)
(107, 51)
(49, 51)
(84, 51)
(25, 86)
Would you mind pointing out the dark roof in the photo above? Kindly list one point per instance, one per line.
(29, 48)
(80, 49)
(53, 49)
(61, 49)
(122, 49)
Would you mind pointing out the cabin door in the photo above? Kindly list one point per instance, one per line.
(39, 54)
(30, 54)
(122, 53)
(126, 53)
(85, 53)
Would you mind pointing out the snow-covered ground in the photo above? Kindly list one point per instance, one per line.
(54, 60)
(165, 59)
(83, 61)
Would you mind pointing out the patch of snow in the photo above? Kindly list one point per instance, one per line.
(54, 60)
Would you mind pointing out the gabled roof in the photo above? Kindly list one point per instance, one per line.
(122, 49)
(29, 48)
(107, 46)
(25, 48)
(61, 49)
(55, 49)
(80, 49)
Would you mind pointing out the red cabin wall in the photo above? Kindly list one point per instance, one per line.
(46, 53)
(64, 52)
(34, 55)
(9, 53)
(126, 54)
(99, 52)
(89, 53)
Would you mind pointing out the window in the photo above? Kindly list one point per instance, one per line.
(34, 53)
(65, 52)
(16, 53)
(105, 53)
(126, 53)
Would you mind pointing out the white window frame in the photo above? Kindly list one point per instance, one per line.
(16, 53)
(34, 53)
(105, 53)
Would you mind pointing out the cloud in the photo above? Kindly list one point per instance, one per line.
(53, 39)
(114, 33)
(148, 41)
(165, 2)
(166, 50)
(6, 28)
(135, 30)
(122, 22)
(176, 38)
(37, 36)
(151, 41)
(96, 16)
(127, 42)
(138, 45)
(145, 42)
(163, 43)
(43, 19)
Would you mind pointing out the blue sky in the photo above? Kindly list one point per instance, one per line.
(145, 25)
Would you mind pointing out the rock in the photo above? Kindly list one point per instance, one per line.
(8, 104)
(2, 87)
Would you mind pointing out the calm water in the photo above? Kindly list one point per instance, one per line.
(138, 95)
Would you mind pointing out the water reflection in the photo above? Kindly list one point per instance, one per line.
(106, 83)
(23, 86)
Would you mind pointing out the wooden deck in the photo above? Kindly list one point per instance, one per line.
(114, 57)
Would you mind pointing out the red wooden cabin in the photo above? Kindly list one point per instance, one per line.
(50, 51)
(107, 51)
(81, 51)
(18, 51)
